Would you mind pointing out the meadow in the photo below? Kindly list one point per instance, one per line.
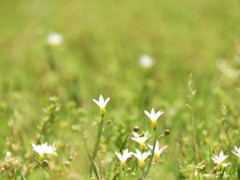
(181, 58)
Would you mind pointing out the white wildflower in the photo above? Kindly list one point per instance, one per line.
(237, 153)
(219, 160)
(146, 61)
(102, 104)
(44, 149)
(123, 157)
(54, 39)
(141, 141)
(153, 116)
(141, 157)
(157, 150)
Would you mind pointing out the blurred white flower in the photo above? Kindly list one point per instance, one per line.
(219, 160)
(237, 153)
(54, 39)
(102, 104)
(141, 157)
(157, 150)
(8, 154)
(154, 116)
(141, 141)
(123, 157)
(135, 134)
(44, 149)
(40, 149)
(227, 70)
(146, 61)
(51, 149)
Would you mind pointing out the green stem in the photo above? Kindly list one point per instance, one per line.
(194, 135)
(151, 159)
(96, 144)
(238, 171)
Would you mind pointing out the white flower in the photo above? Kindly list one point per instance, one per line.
(51, 149)
(102, 104)
(44, 149)
(141, 157)
(153, 116)
(157, 150)
(135, 134)
(218, 160)
(141, 141)
(40, 149)
(237, 153)
(54, 39)
(123, 158)
(146, 61)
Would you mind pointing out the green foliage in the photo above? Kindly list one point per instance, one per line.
(46, 91)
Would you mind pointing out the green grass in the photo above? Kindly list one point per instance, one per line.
(100, 55)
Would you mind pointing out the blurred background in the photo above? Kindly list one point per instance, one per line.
(102, 44)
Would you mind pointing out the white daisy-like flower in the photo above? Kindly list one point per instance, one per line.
(54, 39)
(123, 157)
(102, 104)
(40, 149)
(44, 149)
(157, 150)
(237, 153)
(146, 61)
(141, 141)
(153, 116)
(141, 157)
(219, 160)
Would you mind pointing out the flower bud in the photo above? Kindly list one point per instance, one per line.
(166, 132)
(45, 163)
(136, 129)
(67, 163)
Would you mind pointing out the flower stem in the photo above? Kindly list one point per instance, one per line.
(100, 128)
(151, 158)
(238, 171)
(194, 134)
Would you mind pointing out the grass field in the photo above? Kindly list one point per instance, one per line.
(46, 90)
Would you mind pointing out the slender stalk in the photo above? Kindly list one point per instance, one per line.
(192, 93)
(194, 134)
(238, 171)
(98, 137)
(151, 158)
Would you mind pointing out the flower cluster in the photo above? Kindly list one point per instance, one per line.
(141, 155)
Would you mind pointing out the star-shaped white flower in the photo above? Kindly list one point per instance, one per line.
(102, 104)
(219, 160)
(141, 157)
(123, 157)
(157, 150)
(54, 39)
(153, 116)
(237, 153)
(141, 141)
